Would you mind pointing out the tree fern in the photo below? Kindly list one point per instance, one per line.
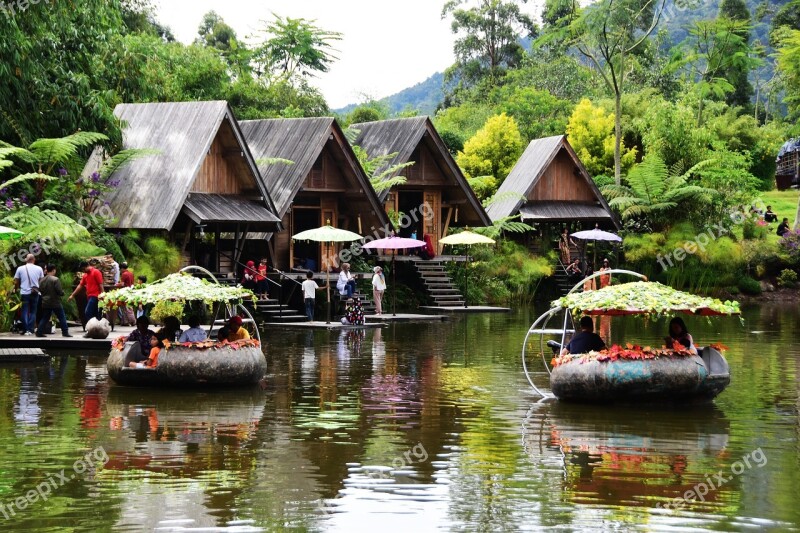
(39, 225)
(381, 173)
(119, 160)
(65, 149)
(30, 176)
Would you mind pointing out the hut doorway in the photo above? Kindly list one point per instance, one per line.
(409, 203)
(305, 254)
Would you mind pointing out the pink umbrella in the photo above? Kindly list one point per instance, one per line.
(394, 243)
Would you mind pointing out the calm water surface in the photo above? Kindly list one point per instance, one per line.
(416, 427)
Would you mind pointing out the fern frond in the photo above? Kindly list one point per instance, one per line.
(122, 158)
(26, 177)
(380, 185)
(273, 161)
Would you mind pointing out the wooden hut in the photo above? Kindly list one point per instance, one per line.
(434, 180)
(315, 179)
(787, 168)
(549, 188)
(202, 182)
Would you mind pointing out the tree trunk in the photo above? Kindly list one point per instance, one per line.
(617, 137)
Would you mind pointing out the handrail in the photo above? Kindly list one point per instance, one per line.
(286, 276)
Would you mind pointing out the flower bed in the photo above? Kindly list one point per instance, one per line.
(629, 352)
(119, 344)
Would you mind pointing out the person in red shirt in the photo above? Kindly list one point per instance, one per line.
(261, 280)
(92, 280)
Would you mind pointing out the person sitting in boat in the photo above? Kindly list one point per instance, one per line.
(195, 333)
(236, 331)
(142, 336)
(156, 344)
(679, 333)
(171, 329)
(586, 341)
(223, 334)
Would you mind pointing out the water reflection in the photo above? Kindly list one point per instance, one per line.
(415, 426)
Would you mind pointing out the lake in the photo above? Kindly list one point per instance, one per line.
(414, 427)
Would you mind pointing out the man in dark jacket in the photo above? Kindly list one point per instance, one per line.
(51, 291)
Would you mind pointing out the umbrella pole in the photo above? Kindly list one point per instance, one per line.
(328, 286)
(466, 279)
(394, 286)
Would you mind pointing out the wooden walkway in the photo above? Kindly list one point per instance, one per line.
(56, 342)
(22, 355)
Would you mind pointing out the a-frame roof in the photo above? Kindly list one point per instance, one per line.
(403, 136)
(301, 141)
(153, 190)
(540, 153)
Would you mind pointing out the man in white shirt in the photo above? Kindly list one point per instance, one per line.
(310, 289)
(114, 269)
(26, 279)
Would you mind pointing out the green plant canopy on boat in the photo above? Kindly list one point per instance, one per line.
(177, 288)
(644, 298)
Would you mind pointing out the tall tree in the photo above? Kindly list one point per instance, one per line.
(737, 72)
(215, 33)
(296, 48)
(607, 33)
(489, 37)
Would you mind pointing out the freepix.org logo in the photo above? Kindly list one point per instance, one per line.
(12, 8)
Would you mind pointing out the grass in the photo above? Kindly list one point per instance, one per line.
(784, 203)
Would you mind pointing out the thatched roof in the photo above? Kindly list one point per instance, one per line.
(301, 141)
(153, 190)
(403, 136)
(530, 168)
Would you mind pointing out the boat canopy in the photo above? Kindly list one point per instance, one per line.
(176, 288)
(643, 298)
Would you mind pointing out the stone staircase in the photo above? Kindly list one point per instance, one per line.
(438, 284)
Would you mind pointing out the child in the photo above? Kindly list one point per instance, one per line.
(310, 289)
(223, 334)
(261, 280)
(156, 344)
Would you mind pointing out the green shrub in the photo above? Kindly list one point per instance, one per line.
(748, 285)
(788, 278)
(166, 308)
(733, 290)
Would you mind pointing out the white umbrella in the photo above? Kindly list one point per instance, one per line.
(467, 238)
(596, 234)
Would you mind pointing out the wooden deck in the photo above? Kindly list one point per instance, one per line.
(56, 342)
(23, 355)
(318, 324)
(469, 309)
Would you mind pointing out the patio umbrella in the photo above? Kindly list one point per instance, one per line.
(467, 238)
(327, 234)
(596, 234)
(9, 233)
(394, 243)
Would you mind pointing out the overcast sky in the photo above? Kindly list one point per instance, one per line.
(387, 45)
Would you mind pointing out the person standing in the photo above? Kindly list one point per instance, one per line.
(378, 288)
(261, 280)
(51, 291)
(310, 289)
(564, 242)
(92, 281)
(26, 279)
(114, 268)
(605, 279)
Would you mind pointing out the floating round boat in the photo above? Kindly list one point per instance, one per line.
(696, 377)
(632, 374)
(182, 366)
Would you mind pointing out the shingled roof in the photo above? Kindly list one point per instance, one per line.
(153, 189)
(527, 172)
(301, 141)
(402, 136)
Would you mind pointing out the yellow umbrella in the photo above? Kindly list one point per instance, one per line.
(467, 238)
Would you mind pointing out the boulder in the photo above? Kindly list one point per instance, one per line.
(97, 329)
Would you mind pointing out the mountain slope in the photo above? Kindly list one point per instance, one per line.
(424, 97)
